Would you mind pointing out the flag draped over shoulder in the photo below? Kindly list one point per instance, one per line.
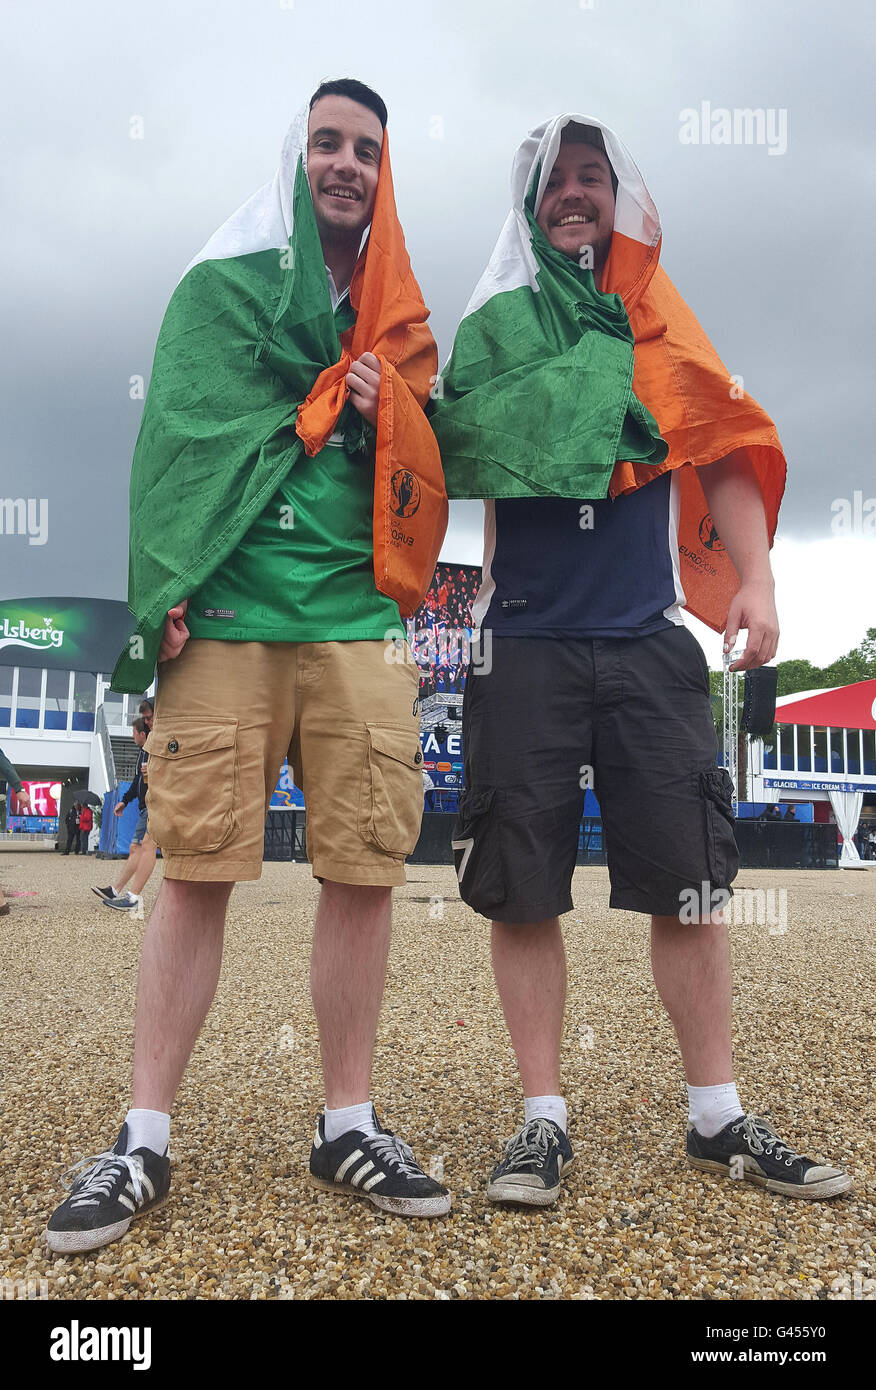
(555, 389)
(248, 377)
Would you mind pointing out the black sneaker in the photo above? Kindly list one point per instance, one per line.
(380, 1167)
(109, 892)
(114, 1188)
(748, 1148)
(535, 1160)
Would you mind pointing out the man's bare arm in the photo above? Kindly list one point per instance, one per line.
(734, 499)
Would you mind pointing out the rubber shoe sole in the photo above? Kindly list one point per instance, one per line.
(77, 1242)
(507, 1190)
(398, 1206)
(809, 1192)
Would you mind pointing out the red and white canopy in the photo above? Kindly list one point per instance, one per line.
(845, 707)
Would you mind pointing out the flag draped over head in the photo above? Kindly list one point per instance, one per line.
(248, 380)
(554, 388)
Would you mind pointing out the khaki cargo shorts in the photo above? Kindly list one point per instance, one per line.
(226, 715)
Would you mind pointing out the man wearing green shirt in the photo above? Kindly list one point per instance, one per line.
(287, 639)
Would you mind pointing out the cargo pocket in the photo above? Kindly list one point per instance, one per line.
(477, 851)
(193, 784)
(391, 795)
(716, 791)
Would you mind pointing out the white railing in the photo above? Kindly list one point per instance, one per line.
(106, 747)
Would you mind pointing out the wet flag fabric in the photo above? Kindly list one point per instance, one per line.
(554, 388)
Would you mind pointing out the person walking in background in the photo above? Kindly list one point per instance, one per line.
(141, 856)
(86, 825)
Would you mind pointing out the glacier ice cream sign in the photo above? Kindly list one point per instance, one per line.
(22, 634)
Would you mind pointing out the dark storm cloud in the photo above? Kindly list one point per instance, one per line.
(767, 249)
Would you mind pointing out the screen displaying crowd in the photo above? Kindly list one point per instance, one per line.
(440, 631)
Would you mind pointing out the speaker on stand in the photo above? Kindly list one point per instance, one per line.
(759, 701)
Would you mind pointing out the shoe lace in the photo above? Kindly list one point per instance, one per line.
(100, 1176)
(531, 1144)
(761, 1139)
(396, 1153)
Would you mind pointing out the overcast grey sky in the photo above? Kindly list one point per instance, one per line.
(771, 251)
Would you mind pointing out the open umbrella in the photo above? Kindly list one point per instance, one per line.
(86, 797)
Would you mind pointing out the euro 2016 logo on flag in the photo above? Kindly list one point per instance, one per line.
(405, 493)
(709, 536)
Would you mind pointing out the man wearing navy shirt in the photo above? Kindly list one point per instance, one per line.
(594, 681)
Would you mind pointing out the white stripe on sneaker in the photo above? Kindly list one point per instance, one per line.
(126, 1202)
(361, 1172)
(348, 1163)
(372, 1182)
(144, 1182)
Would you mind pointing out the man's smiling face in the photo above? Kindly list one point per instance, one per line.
(344, 141)
(577, 208)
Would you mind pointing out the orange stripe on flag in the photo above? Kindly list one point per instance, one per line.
(410, 501)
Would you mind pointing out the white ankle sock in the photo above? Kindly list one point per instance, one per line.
(148, 1129)
(338, 1122)
(710, 1108)
(547, 1108)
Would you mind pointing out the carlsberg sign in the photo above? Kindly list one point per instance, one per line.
(20, 633)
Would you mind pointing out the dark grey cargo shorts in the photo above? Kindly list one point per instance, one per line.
(629, 717)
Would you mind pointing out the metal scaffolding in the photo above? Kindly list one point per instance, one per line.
(731, 722)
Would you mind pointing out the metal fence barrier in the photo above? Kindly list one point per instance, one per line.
(762, 844)
(285, 836)
(767, 845)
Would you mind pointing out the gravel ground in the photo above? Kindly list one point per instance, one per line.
(633, 1222)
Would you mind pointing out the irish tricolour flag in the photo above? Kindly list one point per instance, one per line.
(554, 388)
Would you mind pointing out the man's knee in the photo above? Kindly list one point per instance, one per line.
(184, 894)
(356, 892)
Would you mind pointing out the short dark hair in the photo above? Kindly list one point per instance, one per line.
(356, 91)
(147, 704)
(590, 135)
(139, 725)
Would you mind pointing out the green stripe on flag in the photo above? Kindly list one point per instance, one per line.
(242, 342)
(537, 397)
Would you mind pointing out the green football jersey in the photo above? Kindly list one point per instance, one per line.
(304, 571)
